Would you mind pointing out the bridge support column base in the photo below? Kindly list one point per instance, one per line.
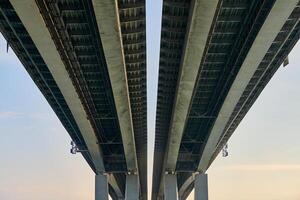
(201, 187)
(132, 187)
(101, 187)
(170, 187)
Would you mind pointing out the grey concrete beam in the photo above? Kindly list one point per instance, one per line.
(278, 15)
(170, 187)
(31, 18)
(101, 187)
(132, 187)
(107, 17)
(201, 187)
(201, 21)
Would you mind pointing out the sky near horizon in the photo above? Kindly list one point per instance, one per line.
(35, 162)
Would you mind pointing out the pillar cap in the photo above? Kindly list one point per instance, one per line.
(132, 172)
(170, 172)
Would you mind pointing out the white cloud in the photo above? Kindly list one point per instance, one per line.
(264, 167)
(14, 115)
(10, 115)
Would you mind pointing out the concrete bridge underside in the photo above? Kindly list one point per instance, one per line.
(91, 68)
(212, 69)
(88, 58)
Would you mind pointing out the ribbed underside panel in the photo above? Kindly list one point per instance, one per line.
(233, 32)
(280, 48)
(74, 29)
(132, 15)
(75, 33)
(174, 23)
(19, 40)
(235, 27)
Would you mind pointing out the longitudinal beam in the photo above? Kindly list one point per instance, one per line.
(109, 29)
(269, 30)
(200, 24)
(278, 15)
(201, 20)
(29, 14)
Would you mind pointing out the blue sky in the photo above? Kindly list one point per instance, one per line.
(264, 162)
(35, 159)
(154, 12)
(35, 163)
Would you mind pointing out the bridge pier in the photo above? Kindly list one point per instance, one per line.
(201, 187)
(132, 187)
(170, 187)
(101, 187)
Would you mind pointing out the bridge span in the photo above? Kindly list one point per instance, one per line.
(88, 58)
(216, 57)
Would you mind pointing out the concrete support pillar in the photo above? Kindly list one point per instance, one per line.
(201, 187)
(101, 187)
(170, 187)
(132, 187)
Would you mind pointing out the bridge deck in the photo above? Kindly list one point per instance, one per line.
(233, 31)
(74, 30)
